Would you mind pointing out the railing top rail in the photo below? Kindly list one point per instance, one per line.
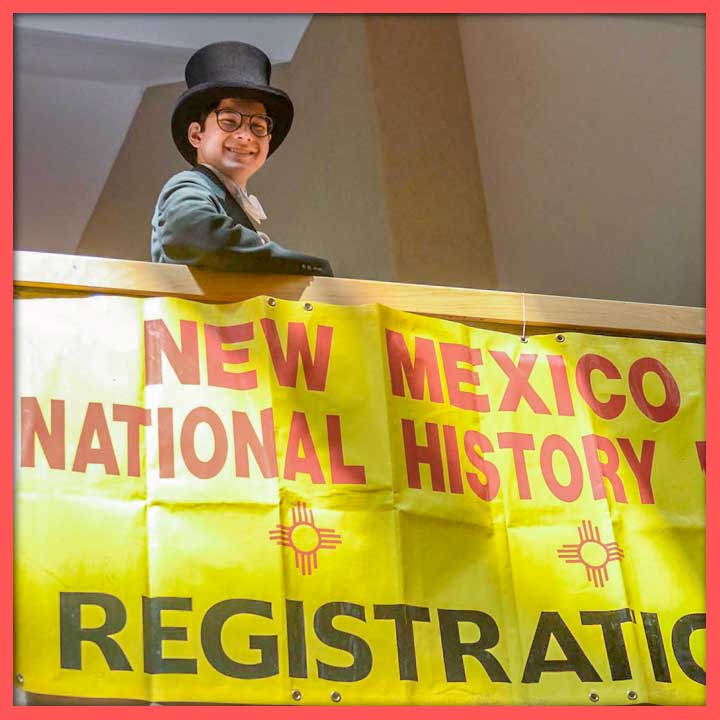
(51, 273)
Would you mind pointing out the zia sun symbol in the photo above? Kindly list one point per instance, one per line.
(305, 538)
(592, 552)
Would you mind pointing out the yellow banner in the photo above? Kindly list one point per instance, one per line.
(270, 502)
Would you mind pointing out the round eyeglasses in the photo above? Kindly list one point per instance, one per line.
(232, 120)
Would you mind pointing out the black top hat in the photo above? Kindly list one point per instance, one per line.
(229, 69)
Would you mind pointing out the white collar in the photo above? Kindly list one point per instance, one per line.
(249, 203)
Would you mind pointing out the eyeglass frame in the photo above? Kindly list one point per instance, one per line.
(250, 117)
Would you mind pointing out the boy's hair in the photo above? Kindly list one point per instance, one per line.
(202, 117)
(206, 111)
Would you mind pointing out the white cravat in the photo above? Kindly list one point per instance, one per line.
(249, 203)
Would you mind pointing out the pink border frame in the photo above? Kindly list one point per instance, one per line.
(706, 7)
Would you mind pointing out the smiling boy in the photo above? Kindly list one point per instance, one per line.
(238, 140)
(225, 125)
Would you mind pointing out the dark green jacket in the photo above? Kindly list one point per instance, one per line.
(197, 222)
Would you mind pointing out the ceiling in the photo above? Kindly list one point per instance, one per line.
(277, 35)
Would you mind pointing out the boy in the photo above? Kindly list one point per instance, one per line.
(225, 125)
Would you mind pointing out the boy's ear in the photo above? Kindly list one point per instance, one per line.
(194, 134)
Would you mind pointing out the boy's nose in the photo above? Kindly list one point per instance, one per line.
(244, 130)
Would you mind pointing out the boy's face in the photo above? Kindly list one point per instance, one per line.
(238, 154)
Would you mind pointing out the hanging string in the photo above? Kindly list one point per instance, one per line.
(523, 337)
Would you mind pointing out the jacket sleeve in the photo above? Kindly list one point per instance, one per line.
(191, 228)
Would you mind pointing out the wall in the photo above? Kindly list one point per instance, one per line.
(119, 225)
(591, 134)
(431, 167)
(62, 158)
(323, 191)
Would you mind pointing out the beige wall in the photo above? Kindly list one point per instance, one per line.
(361, 179)
(120, 223)
(323, 191)
(591, 134)
(433, 184)
(63, 152)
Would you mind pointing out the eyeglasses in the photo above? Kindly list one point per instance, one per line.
(231, 120)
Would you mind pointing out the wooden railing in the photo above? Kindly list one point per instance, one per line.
(54, 274)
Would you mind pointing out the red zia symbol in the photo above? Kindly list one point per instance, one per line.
(305, 538)
(592, 553)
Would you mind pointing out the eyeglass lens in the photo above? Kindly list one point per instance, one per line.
(229, 121)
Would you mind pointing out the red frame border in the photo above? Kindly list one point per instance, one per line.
(712, 84)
